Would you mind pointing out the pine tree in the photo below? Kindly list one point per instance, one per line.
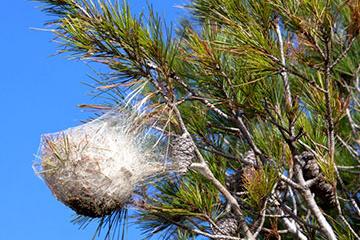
(260, 98)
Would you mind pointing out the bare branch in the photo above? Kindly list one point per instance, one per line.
(311, 203)
(291, 183)
(283, 73)
(329, 110)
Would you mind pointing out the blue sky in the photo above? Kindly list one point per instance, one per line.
(39, 94)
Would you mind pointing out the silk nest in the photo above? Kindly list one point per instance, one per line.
(94, 168)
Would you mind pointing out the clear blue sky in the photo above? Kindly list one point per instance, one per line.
(39, 94)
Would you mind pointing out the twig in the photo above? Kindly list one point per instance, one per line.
(213, 224)
(284, 231)
(196, 96)
(206, 172)
(350, 149)
(314, 42)
(213, 150)
(342, 54)
(291, 225)
(292, 228)
(329, 110)
(248, 137)
(263, 213)
(298, 219)
(338, 207)
(283, 73)
(354, 126)
(291, 183)
(311, 182)
(293, 199)
(347, 192)
(357, 79)
(348, 167)
(262, 221)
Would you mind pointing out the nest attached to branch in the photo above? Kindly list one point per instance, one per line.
(94, 168)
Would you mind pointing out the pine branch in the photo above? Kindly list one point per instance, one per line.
(244, 76)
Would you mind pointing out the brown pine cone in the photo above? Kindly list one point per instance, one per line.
(228, 225)
(182, 151)
(235, 181)
(322, 189)
(311, 168)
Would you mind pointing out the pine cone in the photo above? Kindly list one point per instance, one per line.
(235, 181)
(311, 168)
(228, 225)
(321, 188)
(182, 151)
